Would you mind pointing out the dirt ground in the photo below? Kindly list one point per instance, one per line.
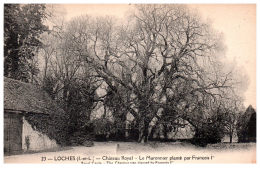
(150, 153)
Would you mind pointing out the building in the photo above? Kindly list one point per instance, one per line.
(22, 100)
(183, 131)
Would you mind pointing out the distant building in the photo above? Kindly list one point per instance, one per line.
(182, 130)
(20, 101)
(226, 138)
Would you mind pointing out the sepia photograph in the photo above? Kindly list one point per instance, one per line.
(129, 83)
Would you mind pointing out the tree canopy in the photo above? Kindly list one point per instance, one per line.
(23, 25)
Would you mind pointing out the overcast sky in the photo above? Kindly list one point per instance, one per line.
(236, 22)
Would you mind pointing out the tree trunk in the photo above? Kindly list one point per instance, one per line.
(230, 133)
(230, 137)
(143, 131)
(140, 137)
(146, 132)
(165, 132)
(140, 131)
(150, 137)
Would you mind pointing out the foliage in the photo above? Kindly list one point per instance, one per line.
(48, 85)
(77, 103)
(82, 136)
(252, 128)
(246, 126)
(80, 101)
(102, 128)
(210, 132)
(23, 24)
(53, 125)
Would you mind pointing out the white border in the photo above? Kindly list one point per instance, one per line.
(237, 166)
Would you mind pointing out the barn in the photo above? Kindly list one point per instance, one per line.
(20, 101)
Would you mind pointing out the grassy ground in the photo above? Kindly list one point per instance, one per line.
(182, 146)
(231, 146)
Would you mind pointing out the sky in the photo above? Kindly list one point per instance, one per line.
(236, 22)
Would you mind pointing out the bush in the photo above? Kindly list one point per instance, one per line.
(103, 128)
(210, 132)
(83, 135)
(88, 143)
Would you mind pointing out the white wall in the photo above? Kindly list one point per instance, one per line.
(38, 141)
(226, 139)
(182, 133)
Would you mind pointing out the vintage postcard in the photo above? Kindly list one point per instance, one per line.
(129, 83)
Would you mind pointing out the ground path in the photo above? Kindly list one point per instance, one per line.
(104, 152)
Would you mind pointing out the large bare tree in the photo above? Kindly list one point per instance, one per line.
(165, 59)
(163, 63)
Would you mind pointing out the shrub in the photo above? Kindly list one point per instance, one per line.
(102, 128)
(210, 132)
